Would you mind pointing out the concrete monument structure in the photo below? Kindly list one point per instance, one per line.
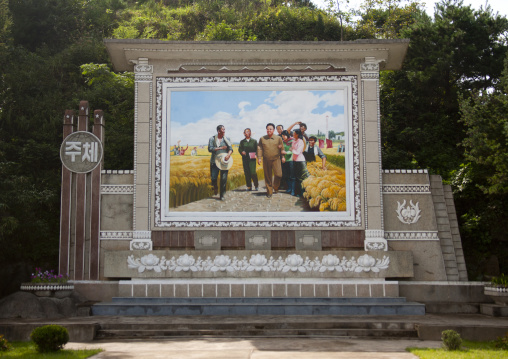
(375, 229)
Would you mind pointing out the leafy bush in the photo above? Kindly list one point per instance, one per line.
(502, 342)
(50, 338)
(4, 344)
(451, 339)
(501, 281)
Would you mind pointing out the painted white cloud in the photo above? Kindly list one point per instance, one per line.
(286, 108)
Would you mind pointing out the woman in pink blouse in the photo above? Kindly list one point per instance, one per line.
(299, 164)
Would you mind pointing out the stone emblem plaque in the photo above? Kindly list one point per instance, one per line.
(81, 152)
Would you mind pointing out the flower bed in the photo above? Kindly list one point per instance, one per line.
(48, 284)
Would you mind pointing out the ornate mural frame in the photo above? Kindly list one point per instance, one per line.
(355, 219)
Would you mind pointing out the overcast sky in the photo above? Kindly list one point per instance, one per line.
(500, 6)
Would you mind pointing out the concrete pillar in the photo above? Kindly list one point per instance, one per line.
(81, 194)
(95, 206)
(142, 220)
(373, 197)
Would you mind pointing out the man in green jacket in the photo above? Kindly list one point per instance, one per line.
(248, 147)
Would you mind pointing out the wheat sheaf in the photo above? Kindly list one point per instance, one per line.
(325, 189)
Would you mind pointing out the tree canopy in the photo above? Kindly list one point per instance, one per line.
(445, 110)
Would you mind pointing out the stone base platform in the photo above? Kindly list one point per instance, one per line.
(257, 306)
(428, 327)
(258, 287)
(494, 310)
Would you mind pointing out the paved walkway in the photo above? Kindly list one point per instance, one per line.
(276, 348)
(257, 348)
(241, 200)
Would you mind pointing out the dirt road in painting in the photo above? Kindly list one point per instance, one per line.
(241, 200)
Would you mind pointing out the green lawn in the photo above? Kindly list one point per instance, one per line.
(470, 350)
(27, 350)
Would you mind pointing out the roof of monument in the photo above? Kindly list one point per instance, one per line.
(125, 53)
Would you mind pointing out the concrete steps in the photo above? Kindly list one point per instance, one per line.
(132, 306)
(444, 229)
(276, 333)
(280, 329)
(454, 230)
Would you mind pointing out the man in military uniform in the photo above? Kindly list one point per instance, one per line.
(269, 148)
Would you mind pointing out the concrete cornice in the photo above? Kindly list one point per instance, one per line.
(125, 53)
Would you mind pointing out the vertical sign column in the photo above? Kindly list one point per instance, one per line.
(65, 203)
(142, 155)
(81, 155)
(374, 233)
(95, 206)
(79, 261)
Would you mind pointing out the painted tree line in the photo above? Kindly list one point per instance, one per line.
(446, 110)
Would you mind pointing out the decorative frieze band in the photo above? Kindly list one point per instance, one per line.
(141, 240)
(370, 75)
(373, 245)
(143, 68)
(375, 241)
(143, 78)
(411, 236)
(216, 67)
(143, 72)
(406, 171)
(117, 189)
(258, 263)
(116, 235)
(406, 188)
(117, 172)
(370, 69)
(370, 66)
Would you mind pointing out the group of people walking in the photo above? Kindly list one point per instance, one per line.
(284, 156)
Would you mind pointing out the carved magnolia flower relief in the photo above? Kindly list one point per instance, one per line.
(293, 263)
(222, 263)
(185, 263)
(148, 262)
(258, 262)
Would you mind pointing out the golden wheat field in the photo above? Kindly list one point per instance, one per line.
(190, 180)
(325, 189)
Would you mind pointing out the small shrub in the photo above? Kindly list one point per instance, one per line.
(501, 281)
(4, 344)
(451, 339)
(50, 338)
(502, 342)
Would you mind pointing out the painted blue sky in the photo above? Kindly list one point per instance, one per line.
(195, 114)
(192, 106)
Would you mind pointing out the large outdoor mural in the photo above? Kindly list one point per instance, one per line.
(191, 114)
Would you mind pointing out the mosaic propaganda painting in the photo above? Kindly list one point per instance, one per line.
(319, 187)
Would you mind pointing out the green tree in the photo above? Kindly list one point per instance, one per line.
(419, 104)
(481, 185)
(223, 32)
(36, 89)
(383, 19)
(486, 118)
(5, 23)
(51, 23)
(118, 111)
(458, 54)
